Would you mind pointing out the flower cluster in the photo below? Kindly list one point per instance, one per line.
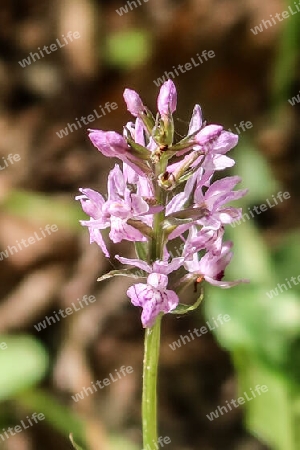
(162, 191)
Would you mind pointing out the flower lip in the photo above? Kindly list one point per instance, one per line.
(157, 280)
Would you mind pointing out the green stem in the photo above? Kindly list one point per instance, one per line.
(152, 335)
(149, 399)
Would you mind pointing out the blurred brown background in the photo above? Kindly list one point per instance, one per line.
(250, 78)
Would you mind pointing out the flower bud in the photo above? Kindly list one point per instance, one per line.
(109, 143)
(167, 98)
(134, 103)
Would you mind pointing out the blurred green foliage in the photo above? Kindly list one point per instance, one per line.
(128, 48)
(263, 335)
(31, 357)
(65, 213)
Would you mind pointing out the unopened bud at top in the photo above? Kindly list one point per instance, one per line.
(134, 103)
(167, 98)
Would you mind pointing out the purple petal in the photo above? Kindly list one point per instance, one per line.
(161, 302)
(165, 268)
(176, 204)
(115, 184)
(139, 293)
(224, 284)
(96, 236)
(208, 134)
(222, 186)
(230, 197)
(109, 143)
(135, 262)
(225, 142)
(145, 187)
(139, 132)
(211, 222)
(196, 120)
(217, 162)
(138, 205)
(157, 280)
(179, 231)
(91, 202)
(229, 215)
(130, 175)
(197, 178)
(167, 98)
(118, 209)
(121, 230)
(172, 300)
(134, 103)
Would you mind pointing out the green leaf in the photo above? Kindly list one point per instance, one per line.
(271, 415)
(258, 324)
(73, 443)
(137, 149)
(57, 415)
(24, 352)
(181, 308)
(130, 273)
